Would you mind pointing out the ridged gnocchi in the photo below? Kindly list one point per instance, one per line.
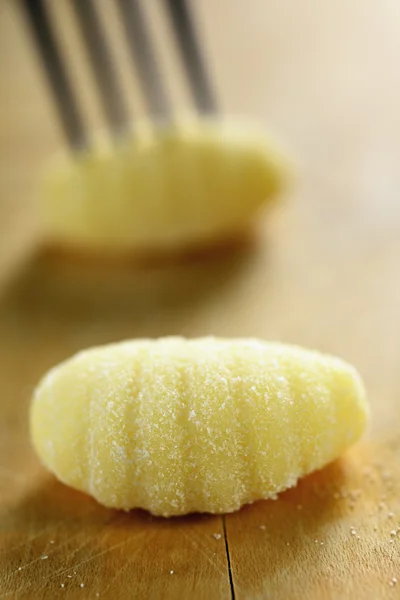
(177, 426)
(161, 189)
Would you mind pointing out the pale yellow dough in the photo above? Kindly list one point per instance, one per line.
(177, 426)
(161, 188)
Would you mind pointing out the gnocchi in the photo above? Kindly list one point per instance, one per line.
(177, 426)
(161, 189)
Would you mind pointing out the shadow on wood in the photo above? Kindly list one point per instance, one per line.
(90, 301)
(64, 537)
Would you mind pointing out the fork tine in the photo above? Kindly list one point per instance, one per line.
(65, 99)
(186, 36)
(142, 52)
(101, 63)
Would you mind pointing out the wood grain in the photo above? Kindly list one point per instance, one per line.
(323, 272)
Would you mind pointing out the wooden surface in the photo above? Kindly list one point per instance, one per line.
(325, 75)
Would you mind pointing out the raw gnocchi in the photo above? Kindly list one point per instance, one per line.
(205, 425)
(161, 189)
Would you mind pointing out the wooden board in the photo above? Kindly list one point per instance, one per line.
(324, 273)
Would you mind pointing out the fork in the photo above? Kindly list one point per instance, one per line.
(142, 52)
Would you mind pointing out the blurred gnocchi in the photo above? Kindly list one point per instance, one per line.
(177, 426)
(161, 189)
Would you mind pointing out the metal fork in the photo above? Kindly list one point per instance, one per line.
(142, 51)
